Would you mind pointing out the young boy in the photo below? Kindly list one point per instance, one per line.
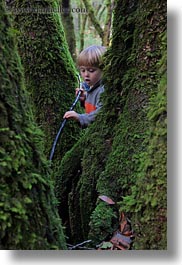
(89, 62)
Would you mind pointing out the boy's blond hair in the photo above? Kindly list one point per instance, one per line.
(91, 56)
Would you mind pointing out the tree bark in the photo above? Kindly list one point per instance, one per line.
(82, 33)
(107, 26)
(67, 20)
(28, 214)
(50, 73)
(123, 153)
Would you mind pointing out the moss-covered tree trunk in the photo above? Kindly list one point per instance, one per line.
(67, 20)
(28, 213)
(134, 171)
(136, 167)
(123, 154)
(49, 69)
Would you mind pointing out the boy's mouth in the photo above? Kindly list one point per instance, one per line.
(87, 81)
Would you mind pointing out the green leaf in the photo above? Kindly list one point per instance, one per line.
(106, 245)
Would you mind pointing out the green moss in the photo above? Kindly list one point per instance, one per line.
(76, 185)
(50, 73)
(124, 150)
(28, 213)
(66, 180)
(103, 222)
(148, 202)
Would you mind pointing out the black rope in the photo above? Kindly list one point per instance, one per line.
(64, 122)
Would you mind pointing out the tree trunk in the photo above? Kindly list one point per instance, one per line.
(28, 214)
(49, 69)
(82, 32)
(107, 26)
(67, 20)
(123, 154)
(134, 174)
(93, 18)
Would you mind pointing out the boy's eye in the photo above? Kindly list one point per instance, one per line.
(82, 70)
(91, 70)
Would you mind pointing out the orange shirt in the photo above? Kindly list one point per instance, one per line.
(89, 107)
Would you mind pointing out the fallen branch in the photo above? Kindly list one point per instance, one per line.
(79, 246)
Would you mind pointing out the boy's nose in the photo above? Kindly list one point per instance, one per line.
(86, 73)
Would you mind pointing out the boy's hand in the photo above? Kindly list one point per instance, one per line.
(71, 115)
(82, 96)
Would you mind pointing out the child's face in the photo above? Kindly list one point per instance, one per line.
(91, 75)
